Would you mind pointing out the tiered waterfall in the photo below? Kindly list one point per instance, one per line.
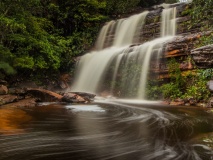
(120, 64)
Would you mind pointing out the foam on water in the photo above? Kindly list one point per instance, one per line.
(85, 108)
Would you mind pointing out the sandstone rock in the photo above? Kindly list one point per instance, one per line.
(77, 97)
(28, 102)
(165, 102)
(86, 96)
(173, 103)
(201, 104)
(203, 56)
(64, 80)
(69, 97)
(192, 101)
(44, 95)
(4, 99)
(3, 90)
(17, 91)
(187, 104)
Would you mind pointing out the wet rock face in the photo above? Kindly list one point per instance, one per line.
(203, 56)
(181, 48)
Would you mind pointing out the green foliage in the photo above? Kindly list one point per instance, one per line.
(5, 61)
(46, 34)
(206, 73)
(6, 68)
(148, 3)
(171, 1)
(175, 72)
(201, 13)
(191, 85)
(203, 10)
(120, 6)
(153, 91)
(196, 87)
(206, 40)
(171, 90)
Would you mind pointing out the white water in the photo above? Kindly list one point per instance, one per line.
(102, 35)
(127, 29)
(128, 67)
(92, 67)
(168, 22)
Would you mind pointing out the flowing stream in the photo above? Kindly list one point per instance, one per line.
(106, 130)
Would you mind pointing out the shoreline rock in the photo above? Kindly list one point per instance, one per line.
(28, 97)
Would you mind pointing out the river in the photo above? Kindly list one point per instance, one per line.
(106, 130)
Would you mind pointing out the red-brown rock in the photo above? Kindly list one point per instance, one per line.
(4, 99)
(3, 90)
(77, 97)
(44, 95)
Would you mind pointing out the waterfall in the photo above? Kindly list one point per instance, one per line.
(118, 66)
(168, 22)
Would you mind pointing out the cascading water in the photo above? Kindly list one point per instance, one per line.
(168, 22)
(118, 66)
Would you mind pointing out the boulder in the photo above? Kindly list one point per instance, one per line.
(3, 90)
(77, 97)
(72, 98)
(87, 96)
